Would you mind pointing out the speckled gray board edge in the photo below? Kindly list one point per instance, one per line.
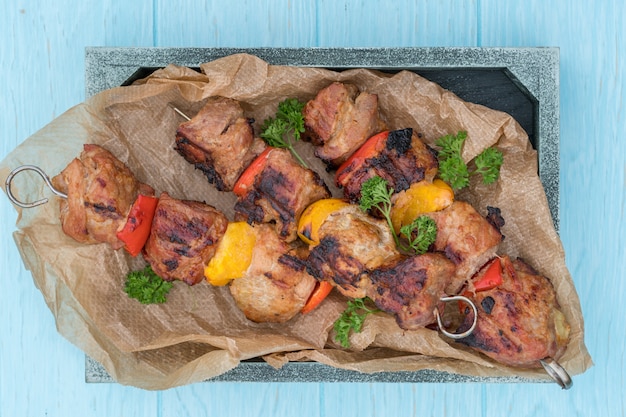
(317, 372)
(534, 70)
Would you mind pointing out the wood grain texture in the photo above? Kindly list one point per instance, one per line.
(42, 62)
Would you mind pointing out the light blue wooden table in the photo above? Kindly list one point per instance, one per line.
(42, 75)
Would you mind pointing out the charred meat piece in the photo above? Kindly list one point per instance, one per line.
(184, 236)
(411, 288)
(100, 191)
(399, 156)
(519, 321)
(276, 285)
(466, 238)
(219, 141)
(281, 191)
(351, 243)
(357, 254)
(340, 119)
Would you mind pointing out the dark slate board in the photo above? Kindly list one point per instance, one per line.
(523, 82)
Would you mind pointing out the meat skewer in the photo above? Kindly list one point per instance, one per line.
(271, 188)
(381, 278)
(219, 141)
(357, 253)
(183, 236)
(391, 284)
(520, 322)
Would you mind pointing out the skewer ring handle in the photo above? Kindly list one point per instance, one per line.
(557, 372)
(441, 325)
(43, 175)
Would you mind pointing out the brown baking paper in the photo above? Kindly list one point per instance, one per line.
(199, 333)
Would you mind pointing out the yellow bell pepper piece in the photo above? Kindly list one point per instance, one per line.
(422, 197)
(233, 255)
(314, 216)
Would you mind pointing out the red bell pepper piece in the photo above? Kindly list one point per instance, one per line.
(320, 292)
(137, 228)
(370, 148)
(246, 179)
(491, 278)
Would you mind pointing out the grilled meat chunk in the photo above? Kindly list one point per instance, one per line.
(400, 157)
(276, 285)
(340, 119)
(357, 254)
(411, 287)
(100, 191)
(466, 238)
(280, 193)
(519, 321)
(352, 243)
(219, 141)
(184, 236)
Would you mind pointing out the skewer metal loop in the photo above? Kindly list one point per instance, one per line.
(43, 175)
(441, 325)
(557, 372)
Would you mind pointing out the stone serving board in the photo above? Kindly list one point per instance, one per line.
(523, 82)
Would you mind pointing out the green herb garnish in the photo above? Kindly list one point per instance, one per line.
(146, 286)
(352, 319)
(425, 234)
(454, 171)
(375, 193)
(285, 129)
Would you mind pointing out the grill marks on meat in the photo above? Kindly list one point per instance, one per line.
(276, 285)
(352, 243)
(183, 239)
(519, 322)
(411, 288)
(405, 159)
(219, 141)
(100, 191)
(280, 193)
(358, 255)
(466, 238)
(340, 119)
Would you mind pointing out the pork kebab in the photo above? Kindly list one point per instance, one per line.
(186, 240)
(411, 287)
(104, 203)
(468, 240)
(274, 189)
(465, 239)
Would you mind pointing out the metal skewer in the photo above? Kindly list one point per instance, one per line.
(43, 175)
(181, 113)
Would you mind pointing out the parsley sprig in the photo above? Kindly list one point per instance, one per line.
(420, 234)
(352, 319)
(285, 129)
(454, 171)
(146, 286)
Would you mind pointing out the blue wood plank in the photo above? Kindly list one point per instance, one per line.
(243, 399)
(42, 61)
(41, 56)
(243, 23)
(396, 23)
(591, 39)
